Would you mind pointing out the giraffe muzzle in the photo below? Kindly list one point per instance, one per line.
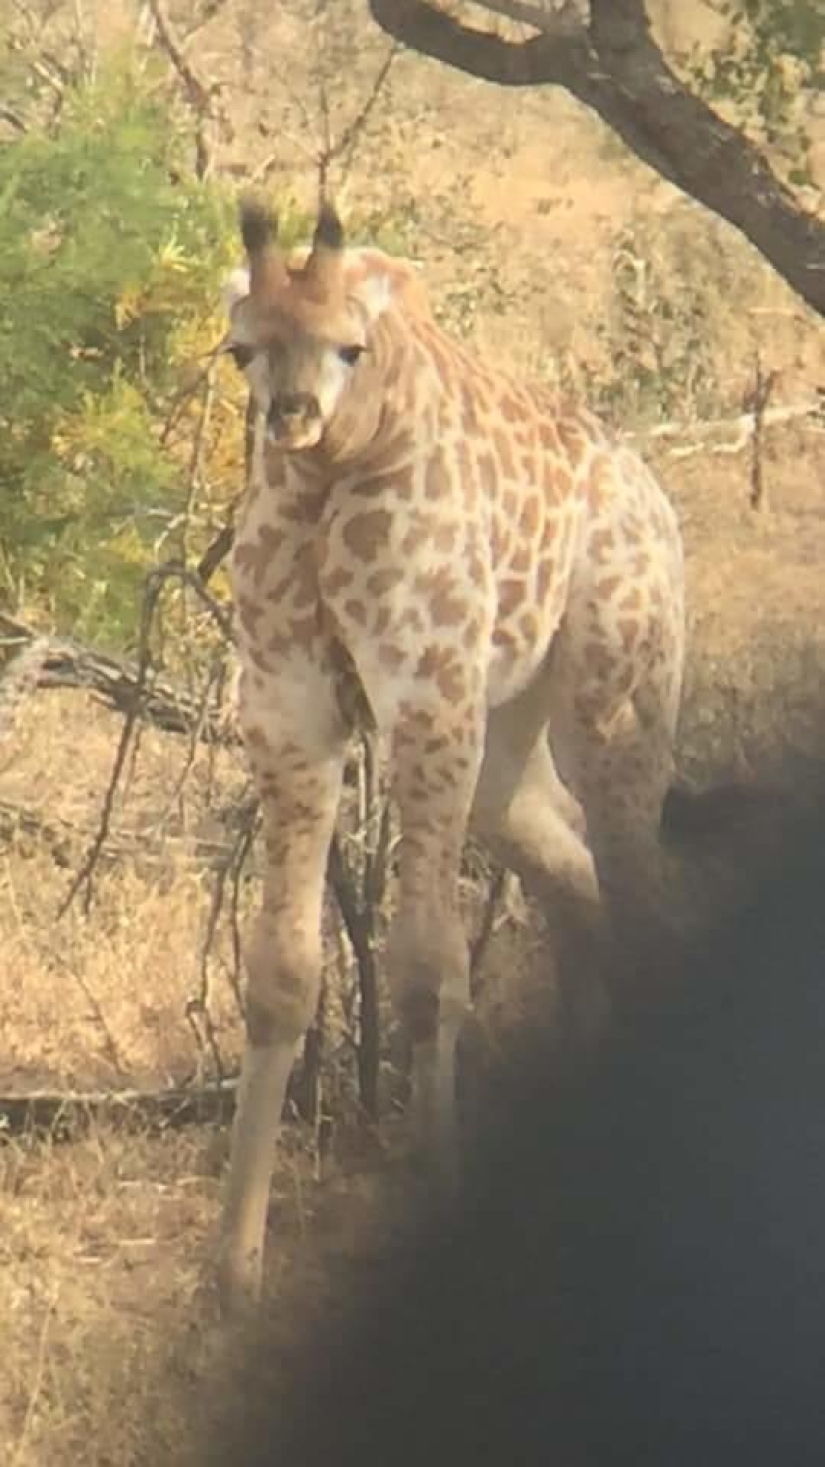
(294, 420)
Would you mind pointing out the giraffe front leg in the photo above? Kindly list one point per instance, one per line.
(299, 796)
(435, 772)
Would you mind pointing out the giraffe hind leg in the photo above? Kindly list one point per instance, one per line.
(617, 734)
(435, 758)
(533, 823)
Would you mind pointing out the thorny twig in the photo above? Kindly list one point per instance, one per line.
(220, 547)
(87, 869)
(334, 149)
(198, 1007)
(155, 583)
(109, 1042)
(195, 738)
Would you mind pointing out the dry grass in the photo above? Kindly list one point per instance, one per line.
(106, 1240)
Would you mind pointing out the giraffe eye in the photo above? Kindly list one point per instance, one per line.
(241, 355)
(350, 354)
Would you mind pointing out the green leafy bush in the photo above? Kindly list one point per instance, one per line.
(111, 256)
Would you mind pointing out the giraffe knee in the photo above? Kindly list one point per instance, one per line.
(283, 980)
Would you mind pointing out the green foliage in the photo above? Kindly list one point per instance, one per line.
(121, 436)
(674, 322)
(771, 62)
(111, 256)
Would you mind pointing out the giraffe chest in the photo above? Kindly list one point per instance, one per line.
(464, 587)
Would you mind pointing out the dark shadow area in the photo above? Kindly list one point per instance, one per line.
(637, 1270)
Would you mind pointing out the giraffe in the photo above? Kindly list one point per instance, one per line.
(475, 566)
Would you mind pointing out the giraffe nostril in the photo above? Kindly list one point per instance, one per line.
(291, 405)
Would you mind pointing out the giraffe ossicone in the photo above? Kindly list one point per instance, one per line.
(506, 585)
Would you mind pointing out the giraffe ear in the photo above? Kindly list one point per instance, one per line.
(372, 294)
(378, 279)
(235, 288)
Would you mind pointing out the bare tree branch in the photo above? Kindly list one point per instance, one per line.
(614, 66)
(201, 97)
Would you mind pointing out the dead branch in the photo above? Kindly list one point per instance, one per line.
(155, 583)
(202, 97)
(109, 1042)
(698, 437)
(216, 552)
(63, 663)
(7, 114)
(228, 871)
(207, 13)
(757, 401)
(342, 147)
(62, 1114)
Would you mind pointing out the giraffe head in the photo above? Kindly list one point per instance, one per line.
(299, 332)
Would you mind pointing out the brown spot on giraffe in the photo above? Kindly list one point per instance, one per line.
(544, 577)
(530, 518)
(444, 538)
(337, 579)
(557, 481)
(607, 586)
(434, 476)
(629, 631)
(356, 611)
(445, 601)
(391, 657)
(521, 558)
(504, 453)
(510, 595)
(366, 534)
(442, 665)
(249, 614)
(511, 408)
(380, 582)
(600, 546)
(304, 630)
(630, 599)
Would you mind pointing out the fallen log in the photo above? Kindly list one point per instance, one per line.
(62, 1115)
(46, 661)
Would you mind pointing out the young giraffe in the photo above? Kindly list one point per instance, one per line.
(480, 569)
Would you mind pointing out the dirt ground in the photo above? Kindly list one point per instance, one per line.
(543, 243)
